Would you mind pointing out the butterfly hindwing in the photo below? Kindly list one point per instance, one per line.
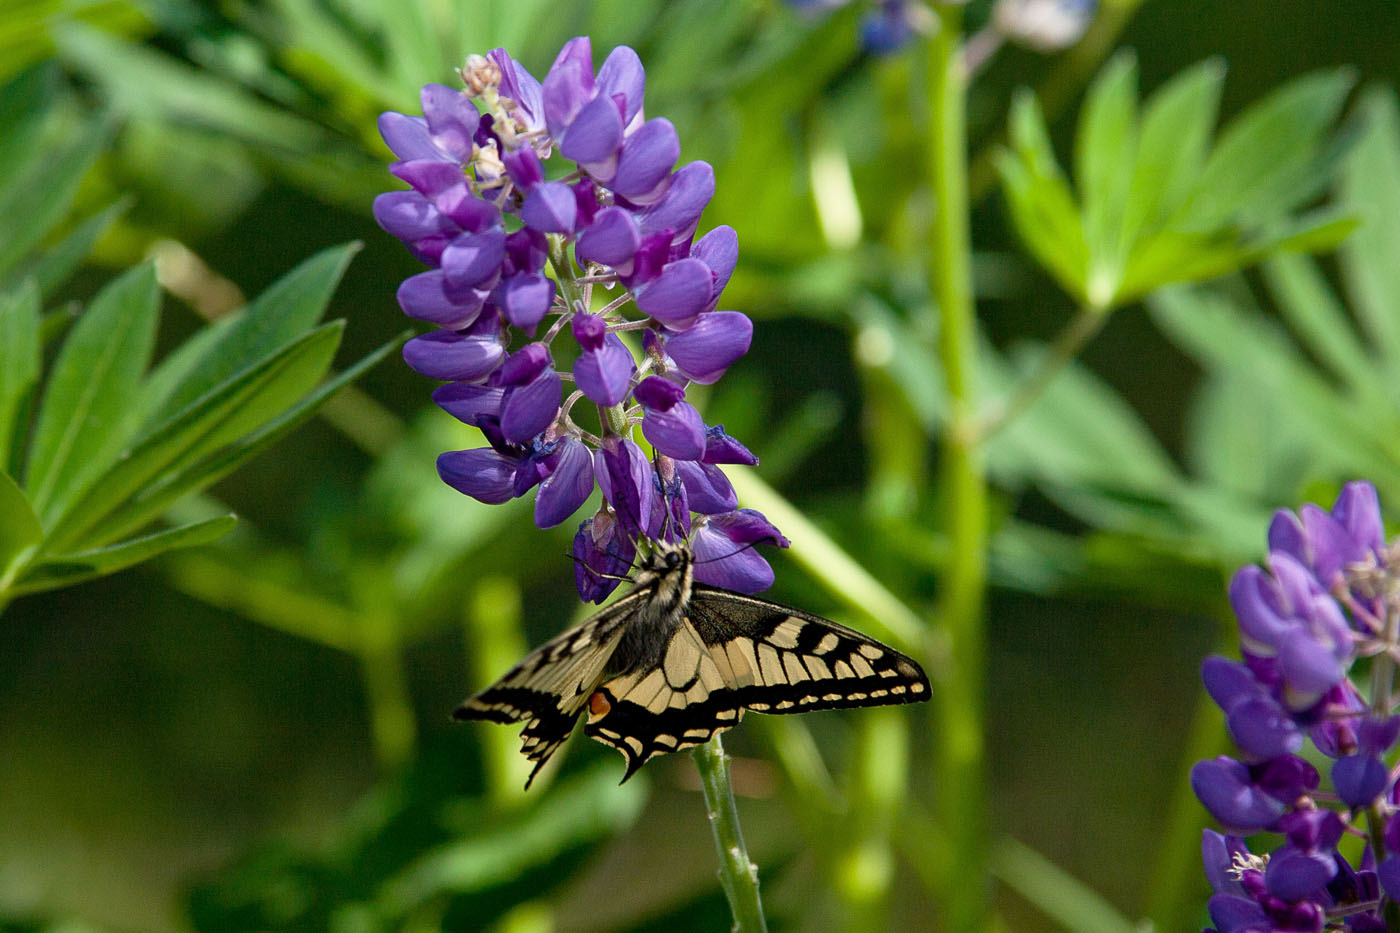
(550, 686)
(733, 652)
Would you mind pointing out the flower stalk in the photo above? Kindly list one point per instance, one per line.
(737, 875)
(958, 684)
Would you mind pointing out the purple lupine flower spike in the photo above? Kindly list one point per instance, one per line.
(1327, 600)
(618, 213)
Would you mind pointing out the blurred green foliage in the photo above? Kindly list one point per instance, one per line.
(253, 735)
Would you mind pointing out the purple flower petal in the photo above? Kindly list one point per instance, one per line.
(530, 408)
(1293, 874)
(474, 258)
(1286, 535)
(612, 239)
(1223, 786)
(708, 347)
(524, 167)
(1332, 547)
(678, 294)
(724, 555)
(718, 249)
(568, 487)
(645, 162)
(1233, 914)
(568, 85)
(659, 393)
(604, 374)
(452, 119)
(1388, 873)
(594, 136)
(1359, 779)
(721, 448)
(1261, 727)
(526, 251)
(1308, 665)
(602, 555)
(521, 87)
(410, 216)
(625, 476)
(678, 433)
(427, 297)
(1260, 624)
(483, 474)
(707, 488)
(408, 137)
(467, 402)
(622, 75)
(454, 357)
(524, 365)
(525, 299)
(550, 208)
(1358, 509)
(433, 178)
(692, 187)
(1218, 854)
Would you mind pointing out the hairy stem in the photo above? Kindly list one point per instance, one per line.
(737, 874)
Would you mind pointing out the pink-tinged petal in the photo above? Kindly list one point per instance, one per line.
(483, 474)
(525, 299)
(530, 408)
(474, 259)
(594, 135)
(550, 208)
(408, 137)
(467, 402)
(568, 487)
(453, 357)
(604, 374)
(427, 297)
(452, 119)
(692, 187)
(611, 239)
(718, 249)
(622, 75)
(677, 295)
(708, 347)
(645, 162)
(677, 432)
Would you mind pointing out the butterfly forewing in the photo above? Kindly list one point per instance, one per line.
(735, 652)
(671, 664)
(550, 686)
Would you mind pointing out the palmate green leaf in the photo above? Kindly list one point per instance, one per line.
(1042, 205)
(1105, 152)
(86, 416)
(1370, 187)
(19, 369)
(1271, 157)
(1177, 123)
(1221, 337)
(1315, 314)
(20, 531)
(237, 406)
(292, 305)
(155, 498)
(59, 570)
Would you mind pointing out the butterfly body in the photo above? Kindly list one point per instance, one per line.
(674, 662)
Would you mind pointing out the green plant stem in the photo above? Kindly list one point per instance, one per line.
(1070, 74)
(737, 874)
(1085, 324)
(958, 685)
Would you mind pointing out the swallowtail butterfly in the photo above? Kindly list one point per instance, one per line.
(674, 661)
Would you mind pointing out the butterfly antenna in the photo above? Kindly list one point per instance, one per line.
(597, 573)
(747, 547)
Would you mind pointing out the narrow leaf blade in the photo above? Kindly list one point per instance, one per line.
(67, 569)
(19, 368)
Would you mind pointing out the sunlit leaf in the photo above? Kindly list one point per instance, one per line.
(19, 527)
(59, 570)
(86, 416)
(19, 370)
